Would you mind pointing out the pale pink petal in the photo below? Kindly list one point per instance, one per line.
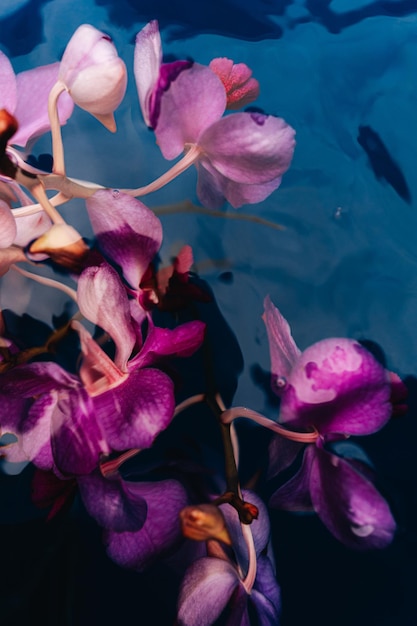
(33, 87)
(213, 189)
(102, 300)
(194, 101)
(147, 61)
(30, 227)
(283, 350)
(249, 148)
(8, 89)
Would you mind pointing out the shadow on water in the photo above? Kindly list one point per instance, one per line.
(246, 19)
(252, 20)
(321, 12)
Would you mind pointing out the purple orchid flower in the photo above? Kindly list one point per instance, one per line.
(129, 544)
(67, 423)
(337, 388)
(214, 586)
(140, 519)
(240, 157)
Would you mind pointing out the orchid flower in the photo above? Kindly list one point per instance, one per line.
(67, 423)
(240, 157)
(25, 96)
(93, 74)
(337, 388)
(215, 586)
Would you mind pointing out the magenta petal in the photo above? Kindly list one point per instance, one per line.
(205, 591)
(8, 89)
(249, 148)
(337, 386)
(147, 61)
(282, 453)
(348, 504)
(114, 504)
(77, 440)
(33, 87)
(36, 378)
(181, 341)
(103, 300)
(161, 531)
(192, 103)
(137, 410)
(127, 231)
(294, 495)
(283, 350)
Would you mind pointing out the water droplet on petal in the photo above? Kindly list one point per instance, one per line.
(362, 531)
(115, 193)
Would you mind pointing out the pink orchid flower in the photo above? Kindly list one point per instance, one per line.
(25, 96)
(240, 157)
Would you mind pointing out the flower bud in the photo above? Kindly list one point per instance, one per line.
(204, 522)
(64, 245)
(93, 74)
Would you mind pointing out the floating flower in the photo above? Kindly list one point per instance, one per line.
(68, 422)
(240, 157)
(339, 389)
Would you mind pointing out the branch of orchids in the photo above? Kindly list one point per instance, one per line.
(249, 511)
(229, 415)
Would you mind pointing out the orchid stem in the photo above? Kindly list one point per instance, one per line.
(49, 282)
(183, 164)
(38, 191)
(231, 414)
(57, 145)
(189, 207)
(182, 406)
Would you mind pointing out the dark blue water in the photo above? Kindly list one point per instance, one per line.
(343, 75)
